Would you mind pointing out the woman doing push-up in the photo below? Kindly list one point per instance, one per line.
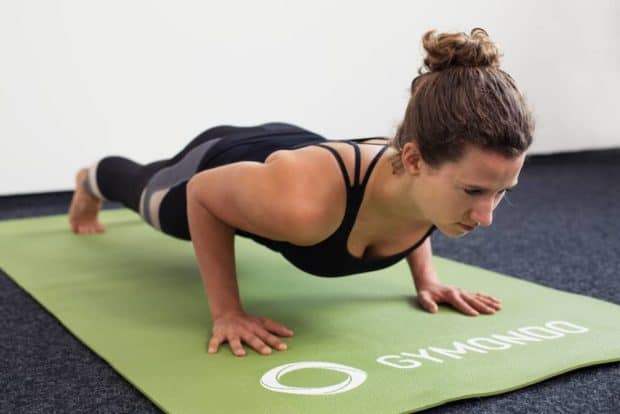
(335, 207)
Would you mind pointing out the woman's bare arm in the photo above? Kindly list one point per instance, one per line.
(213, 242)
(263, 199)
(421, 265)
(432, 292)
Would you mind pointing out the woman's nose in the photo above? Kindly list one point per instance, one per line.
(483, 213)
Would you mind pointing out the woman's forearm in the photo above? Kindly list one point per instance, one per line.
(213, 242)
(421, 264)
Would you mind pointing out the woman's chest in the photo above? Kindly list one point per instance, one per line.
(370, 239)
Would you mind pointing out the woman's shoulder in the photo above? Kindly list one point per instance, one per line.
(334, 163)
(313, 183)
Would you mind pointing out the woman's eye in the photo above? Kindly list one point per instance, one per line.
(476, 192)
(472, 192)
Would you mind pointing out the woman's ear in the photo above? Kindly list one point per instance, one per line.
(411, 158)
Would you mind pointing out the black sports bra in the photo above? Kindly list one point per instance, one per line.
(331, 257)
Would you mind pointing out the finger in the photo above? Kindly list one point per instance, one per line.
(425, 300)
(236, 347)
(275, 327)
(214, 344)
(488, 298)
(256, 343)
(478, 304)
(489, 301)
(272, 340)
(455, 299)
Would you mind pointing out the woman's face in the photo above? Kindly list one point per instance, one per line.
(458, 196)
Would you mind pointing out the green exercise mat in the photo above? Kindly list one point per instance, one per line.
(361, 344)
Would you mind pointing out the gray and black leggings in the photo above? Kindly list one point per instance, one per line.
(157, 190)
(160, 185)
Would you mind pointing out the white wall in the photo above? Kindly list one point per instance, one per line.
(83, 79)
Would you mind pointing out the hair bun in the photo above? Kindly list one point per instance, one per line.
(445, 50)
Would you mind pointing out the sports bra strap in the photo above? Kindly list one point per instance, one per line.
(358, 162)
(345, 173)
(372, 164)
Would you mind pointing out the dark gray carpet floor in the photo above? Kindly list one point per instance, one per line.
(560, 228)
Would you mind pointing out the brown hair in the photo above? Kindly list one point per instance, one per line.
(463, 98)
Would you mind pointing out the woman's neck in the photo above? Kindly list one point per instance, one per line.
(391, 196)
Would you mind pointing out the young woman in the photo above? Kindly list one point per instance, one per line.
(335, 208)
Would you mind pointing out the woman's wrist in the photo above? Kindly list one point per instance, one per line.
(426, 278)
(229, 308)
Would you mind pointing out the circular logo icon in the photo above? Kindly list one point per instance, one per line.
(271, 379)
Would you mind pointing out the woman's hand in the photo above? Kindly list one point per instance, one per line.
(237, 328)
(430, 295)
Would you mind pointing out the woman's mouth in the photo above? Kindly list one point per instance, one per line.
(466, 227)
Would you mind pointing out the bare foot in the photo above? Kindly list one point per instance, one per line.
(84, 208)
